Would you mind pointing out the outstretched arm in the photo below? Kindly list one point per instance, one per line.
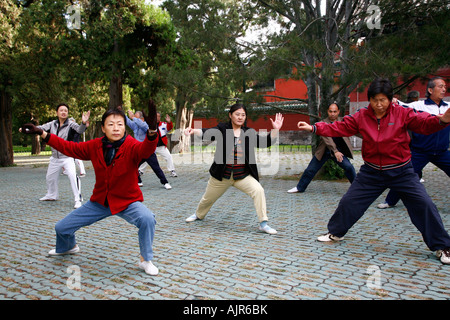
(303, 126)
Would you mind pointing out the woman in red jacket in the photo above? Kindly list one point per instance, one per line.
(387, 164)
(115, 158)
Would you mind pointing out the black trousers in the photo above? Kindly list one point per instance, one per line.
(154, 164)
(370, 183)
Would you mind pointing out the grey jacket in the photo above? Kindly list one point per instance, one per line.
(62, 132)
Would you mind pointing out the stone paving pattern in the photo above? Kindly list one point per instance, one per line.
(223, 257)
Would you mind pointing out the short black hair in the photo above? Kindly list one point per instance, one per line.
(116, 111)
(61, 105)
(335, 105)
(382, 86)
(238, 106)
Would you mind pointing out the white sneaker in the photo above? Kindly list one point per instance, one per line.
(77, 204)
(45, 198)
(71, 251)
(140, 184)
(82, 175)
(293, 190)
(167, 186)
(384, 206)
(268, 229)
(422, 180)
(192, 218)
(329, 238)
(149, 268)
(444, 255)
(173, 173)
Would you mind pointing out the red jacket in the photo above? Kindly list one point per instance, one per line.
(387, 142)
(164, 128)
(119, 181)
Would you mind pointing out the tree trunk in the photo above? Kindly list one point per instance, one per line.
(180, 142)
(115, 85)
(6, 146)
(312, 107)
(35, 144)
(35, 140)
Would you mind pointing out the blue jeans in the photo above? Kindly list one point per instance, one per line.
(419, 161)
(136, 213)
(315, 165)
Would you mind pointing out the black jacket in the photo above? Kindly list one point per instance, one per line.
(224, 136)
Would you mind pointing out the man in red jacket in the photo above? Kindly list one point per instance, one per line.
(387, 164)
(161, 148)
(115, 158)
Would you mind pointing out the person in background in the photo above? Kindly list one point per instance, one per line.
(427, 148)
(59, 161)
(161, 149)
(339, 149)
(139, 126)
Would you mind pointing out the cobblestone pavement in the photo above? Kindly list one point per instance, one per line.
(223, 257)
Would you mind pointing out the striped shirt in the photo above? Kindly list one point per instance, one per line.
(236, 164)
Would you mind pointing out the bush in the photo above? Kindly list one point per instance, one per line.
(331, 171)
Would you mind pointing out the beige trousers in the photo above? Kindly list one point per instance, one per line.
(249, 185)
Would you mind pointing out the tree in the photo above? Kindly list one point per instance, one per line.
(335, 45)
(110, 46)
(9, 21)
(125, 41)
(206, 73)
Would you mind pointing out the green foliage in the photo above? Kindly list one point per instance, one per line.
(331, 171)
(207, 72)
(59, 64)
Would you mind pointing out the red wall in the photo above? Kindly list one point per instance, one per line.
(296, 89)
(418, 85)
(287, 88)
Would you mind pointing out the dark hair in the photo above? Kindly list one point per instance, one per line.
(116, 111)
(335, 105)
(238, 106)
(62, 104)
(431, 84)
(382, 86)
(412, 96)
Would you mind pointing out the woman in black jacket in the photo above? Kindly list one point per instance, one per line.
(235, 162)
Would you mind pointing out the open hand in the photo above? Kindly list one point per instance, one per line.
(445, 118)
(278, 123)
(85, 116)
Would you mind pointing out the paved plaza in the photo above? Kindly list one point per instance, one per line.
(223, 257)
